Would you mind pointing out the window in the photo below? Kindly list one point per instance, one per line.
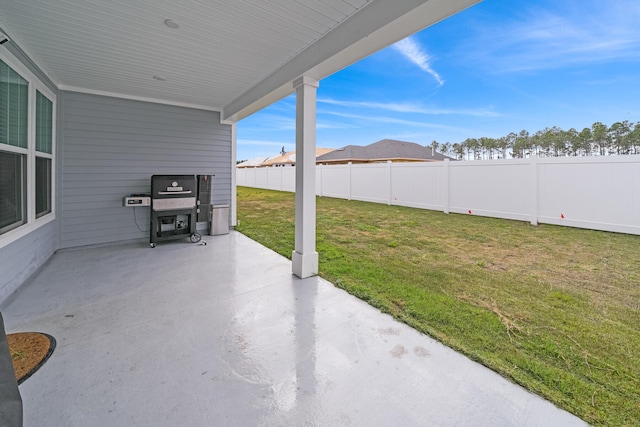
(44, 146)
(14, 128)
(27, 112)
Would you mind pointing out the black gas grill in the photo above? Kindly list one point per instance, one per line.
(173, 208)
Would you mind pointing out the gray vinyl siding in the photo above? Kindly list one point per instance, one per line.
(21, 258)
(112, 146)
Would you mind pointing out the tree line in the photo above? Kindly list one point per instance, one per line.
(598, 140)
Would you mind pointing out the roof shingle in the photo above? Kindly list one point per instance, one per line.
(386, 149)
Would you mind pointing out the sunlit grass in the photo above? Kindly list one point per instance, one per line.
(555, 309)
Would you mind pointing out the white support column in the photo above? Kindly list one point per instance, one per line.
(234, 183)
(305, 257)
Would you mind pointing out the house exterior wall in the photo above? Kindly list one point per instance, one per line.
(112, 147)
(22, 257)
(108, 148)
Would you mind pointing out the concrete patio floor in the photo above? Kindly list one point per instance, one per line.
(224, 335)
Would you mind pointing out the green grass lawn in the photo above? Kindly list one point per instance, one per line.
(555, 309)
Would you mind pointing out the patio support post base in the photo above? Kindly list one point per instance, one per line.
(305, 257)
(304, 265)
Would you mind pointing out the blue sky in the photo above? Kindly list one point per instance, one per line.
(499, 67)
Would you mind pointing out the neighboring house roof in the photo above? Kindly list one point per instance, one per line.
(284, 159)
(252, 163)
(290, 157)
(386, 149)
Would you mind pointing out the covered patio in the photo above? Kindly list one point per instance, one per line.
(224, 334)
(100, 96)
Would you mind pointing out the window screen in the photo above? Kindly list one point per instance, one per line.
(44, 144)
(44, 124)
(43, 186)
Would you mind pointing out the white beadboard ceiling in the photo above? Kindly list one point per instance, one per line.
(234, 56)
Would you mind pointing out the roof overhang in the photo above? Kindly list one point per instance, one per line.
(228, 56)
(375, 27)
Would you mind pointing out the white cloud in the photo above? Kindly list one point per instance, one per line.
(410, 107)
(333, 125)
(391, 120)
(415, 53)
(568, 33)
(263, 143)
(270, 121)
(251, 148)
(390, 106)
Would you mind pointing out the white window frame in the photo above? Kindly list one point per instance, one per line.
(32, 223)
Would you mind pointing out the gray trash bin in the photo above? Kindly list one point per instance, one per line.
(219, 220)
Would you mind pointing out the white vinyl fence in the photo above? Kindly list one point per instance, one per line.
(601, 193)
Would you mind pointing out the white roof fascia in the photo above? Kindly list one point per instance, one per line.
(378, 25)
